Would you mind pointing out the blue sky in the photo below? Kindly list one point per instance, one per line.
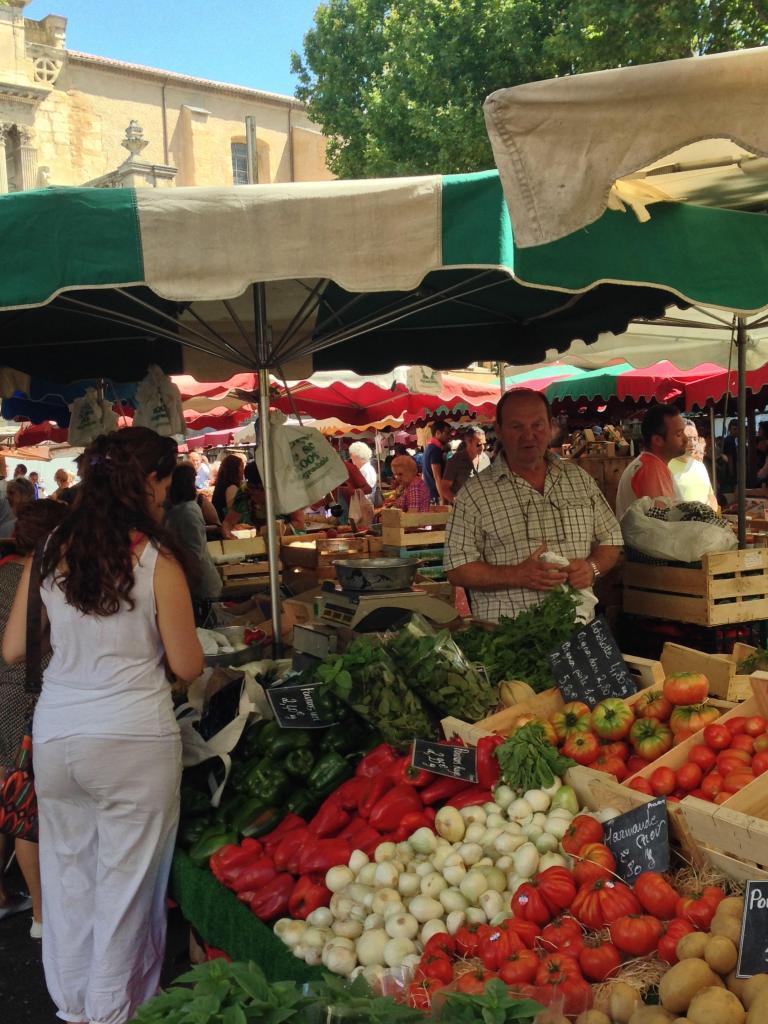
(246, 42)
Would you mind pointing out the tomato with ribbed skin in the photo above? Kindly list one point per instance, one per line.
(686, 688)
(673, 932)
(612, 719)
(760, 762)
(618, 749)
(717, 737)
(743, 742)
(575, 717)
(698, 909)
(736, 725)
(636, 934)
(594, 861)
(703, 757)
(599, 961)
(557, 968)
(582, 830)
(650, 738)
(656, 895)
(663, 781)
(692, 717)
(473, 982)
(529, 904)
(420, 993)
(582, 747)
(730, 759)
(440, 944)
(601, 902)
(611, 766)
(559, 931)
(519, 968)
(653, 704)
(641, 785)
(438, 967)
(558, 888)
(528, 931)
(688, 776)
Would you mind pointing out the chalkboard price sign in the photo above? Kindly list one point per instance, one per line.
(753, 947)
(294, 707)
(639, 840)
(589, 666)
(445, 759)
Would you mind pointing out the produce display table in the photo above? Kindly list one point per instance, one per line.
(227, 924)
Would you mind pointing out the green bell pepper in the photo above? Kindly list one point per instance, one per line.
(328, 773)
(299, 762)
(250, 742)
(208, 843)
(275, 742)
(328, 705)
(302, 802)
(350, 735)
(267, 781)
(263, 822)
(247, 811)
(191, 829)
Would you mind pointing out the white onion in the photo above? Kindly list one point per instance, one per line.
(348, 929)
(526, 861)
(408, 884)
(370, 947)
(384, 851)
(520, 810)
(396, 949)
(320, 918)
(495, 821)
(386, 875)
(450, 824)
(551, 860)
(366, 874)
(423, 841)
(491, 807)
(476, 915)
(314, 938)
(503, 796)
(507, 844)
(475, 832)
(538, 799)
(433, 884)
(470, 853)
(435, 927)
(455, 920)
(357, 861)
(425, 909)
(472, 814)
(401, 926)
(373, 921)
(495, 878)
(491, 903)
(473, 885)
(453, 899)
(339, 878)
(453, 873)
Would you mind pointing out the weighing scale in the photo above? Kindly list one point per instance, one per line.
(374, 611)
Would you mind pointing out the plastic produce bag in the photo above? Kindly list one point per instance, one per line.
(587, 602)
(361, 510)
(672, 541)
(305, 465)
(90, 417)
(159, 404)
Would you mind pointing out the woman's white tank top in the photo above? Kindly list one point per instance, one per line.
(106, 674)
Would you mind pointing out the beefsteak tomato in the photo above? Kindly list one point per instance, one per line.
(519, 968)
(582, 747)
(529, 904)
(599, 961)
(673, 932)
(653, 704)
(650, 738)
(594, 861)
(575, 717)
(656, 895)
(560, 931)
(636, 934)
(686, 688)
(612, 719)
(582, 830)
(692, 717)
(557, 887)
(601, 902)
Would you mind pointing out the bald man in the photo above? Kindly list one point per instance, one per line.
(412, 494)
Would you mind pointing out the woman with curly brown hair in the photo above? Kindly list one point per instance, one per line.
(106, 744)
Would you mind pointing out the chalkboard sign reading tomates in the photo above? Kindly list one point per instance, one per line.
(589, 666)
(753, 947)
(639, 840)
(294, 707)
(445, 759)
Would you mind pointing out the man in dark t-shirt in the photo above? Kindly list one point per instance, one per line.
(434, 460)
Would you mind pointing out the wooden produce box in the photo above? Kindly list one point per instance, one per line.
(321, 552)
(731, 586)
(247, 575)
(435, 588)
(408, 530)
(720, 669)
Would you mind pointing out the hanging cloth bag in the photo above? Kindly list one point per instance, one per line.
(89, 417)
(159, 404)
(305, 465)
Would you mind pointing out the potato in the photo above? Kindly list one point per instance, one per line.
(692, 946)
(758, 1010)
(720, 953)
(752, 986)
(650, 1015)
(735, 985)
(681, 983)
(727, 925)
(623, 1000)
(593, 1017)
(731, 905)
(716, 1006)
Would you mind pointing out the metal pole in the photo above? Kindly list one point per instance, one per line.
(741, 470)
(712, 448)
(502, 377)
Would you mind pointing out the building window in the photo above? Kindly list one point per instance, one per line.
(239, 163)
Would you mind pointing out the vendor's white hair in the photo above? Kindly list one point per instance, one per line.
(361, 450)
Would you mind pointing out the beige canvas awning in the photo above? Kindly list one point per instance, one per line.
(692, 130)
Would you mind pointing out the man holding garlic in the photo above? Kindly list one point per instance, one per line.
(528, 504)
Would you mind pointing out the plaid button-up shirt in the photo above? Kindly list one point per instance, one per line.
(415, 498)
(500, 519)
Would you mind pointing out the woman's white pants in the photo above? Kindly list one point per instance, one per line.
(108, 811)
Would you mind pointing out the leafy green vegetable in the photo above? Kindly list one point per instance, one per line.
(518, 648)
(757, 662)
(528, 761)
(494, 1006)
(356, 998)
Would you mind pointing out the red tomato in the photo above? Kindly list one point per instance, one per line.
(600, 961)
(722, 797)
(582, 830)
(497, 946)
(557, 968)
(618, 749)
(681, 736)
(698, 909)
(636, 934)
(739, 758)
(717, 737)
(698, 793)
(420, 993)
(560, 931)
(473, 982)
(675, 930)
(736, 725)
(650, 738)
(600, 903)
(529, 904)
(761, 743)
(656, 895)
(736, 780)
(653, 704)
(528, 931)
(760, 762)
(582, 747)
(703, 757)
(688, 777)
(576, 995)
(636, 764)
(673, 799)
(686, 688)
(711, 785)
(438, 967)
(558, 888)
(641, 785)
(743, 742)
(519, 967)
(692, 717)
(594, 861)
(441, 943)
(468, 940)
(663, 781)
(755, 725)
(611, 766)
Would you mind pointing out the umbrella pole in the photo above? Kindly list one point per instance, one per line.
(712, 448)
(741, 469)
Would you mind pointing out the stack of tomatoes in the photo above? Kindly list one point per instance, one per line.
(622, 739)
(732, 754)
(569, 928)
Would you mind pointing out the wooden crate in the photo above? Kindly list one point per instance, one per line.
(441, 589)
(413, 529)
(243, 577)
(720, 669)
(730, 586)
(321, 552)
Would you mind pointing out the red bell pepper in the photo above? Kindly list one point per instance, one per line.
(355, 827)
(403, 773)
(349, 793)
(430, 814)
(392, 808)
(374, 791)
(254, 875)
(412, 821)
(228, 860)
(307, 896)
(442, 788)
(271, 901)
(288, 851)
(470, 797)
(330, 819)
(488, 770)
(288, 824)
(377, 761)
(318, 856)
(367, 841)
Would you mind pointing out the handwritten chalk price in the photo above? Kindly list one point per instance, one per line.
(445, 759)
(294, 707)
(639, 840)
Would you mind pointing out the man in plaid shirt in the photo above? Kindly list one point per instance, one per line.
(527, 502)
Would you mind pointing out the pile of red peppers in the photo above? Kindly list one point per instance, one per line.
(283, 873)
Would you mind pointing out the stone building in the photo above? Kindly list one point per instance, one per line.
(67, 118)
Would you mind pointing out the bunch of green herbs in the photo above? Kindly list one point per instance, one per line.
(528, 761)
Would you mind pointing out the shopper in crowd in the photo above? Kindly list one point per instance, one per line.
(185, 522)
(468, 460)
(434, 459)
(202, 469)
(245, 507)
(63, 481)
(526, 503)
(648, 476)
(34, 524)
(689, 472)
(360, 455)
(106, 743)
(21, 470)
(34, 479)
(228, 481)
(411, 494)
(20, 492)
(210, 516)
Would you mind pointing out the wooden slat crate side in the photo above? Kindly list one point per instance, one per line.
(720, 671)
(664, 578)
(751, 610)
(732, 833)
(465, 731)
(405, 520)
(735, 561)
(737, 870)
(214, 548)
(657, 605)
(738, 586)
(402, 539)
(646, 672)
(252, 546)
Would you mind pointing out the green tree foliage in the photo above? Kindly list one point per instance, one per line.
(398, 85)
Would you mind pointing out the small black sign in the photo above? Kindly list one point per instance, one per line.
(753, 947)
(445, 759)
(589, 666)
(639, 840)
(294, 707)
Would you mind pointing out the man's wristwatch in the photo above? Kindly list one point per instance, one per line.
(593, 565)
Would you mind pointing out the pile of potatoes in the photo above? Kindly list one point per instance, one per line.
(701, 989)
